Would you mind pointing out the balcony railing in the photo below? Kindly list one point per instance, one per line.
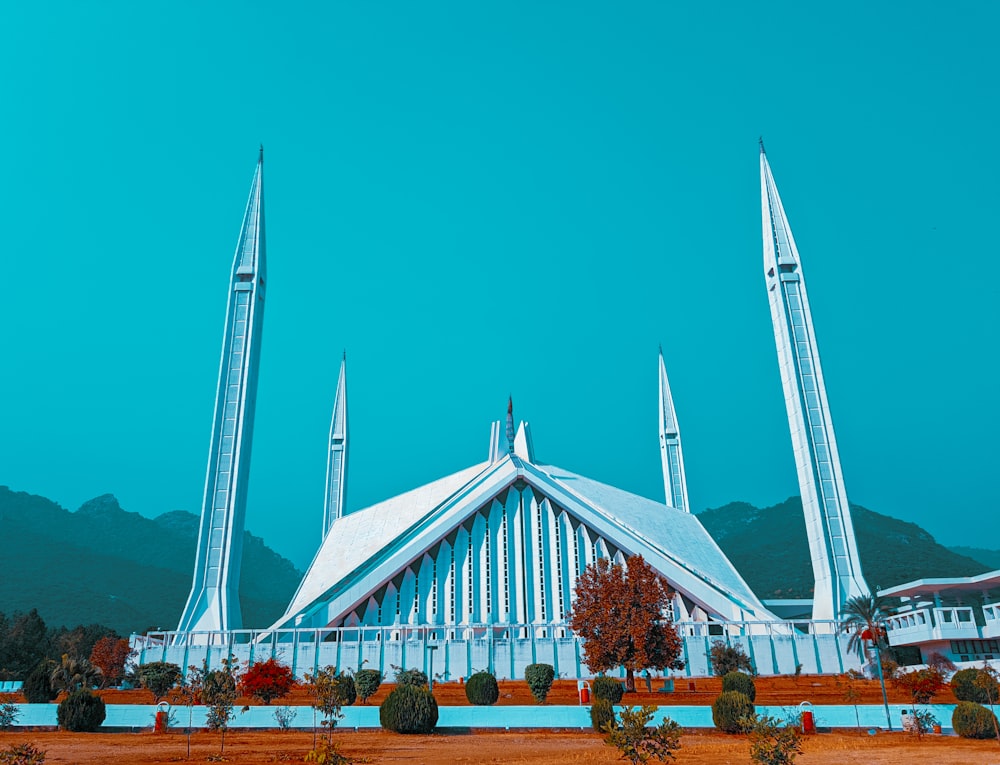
(955, 623)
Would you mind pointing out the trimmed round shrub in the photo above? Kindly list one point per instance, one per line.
(482, 690)
(539, 678)
(411, 677)
(601, 713)
(81, 712)
(607, 688)
(963, 685)
(972, 720)
(367, 682)
(729, 709)
(346, 691)
(409, 709)
(38, 685)
(740, 681)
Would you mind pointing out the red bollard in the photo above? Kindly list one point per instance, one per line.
(160, 725)
(808, 722)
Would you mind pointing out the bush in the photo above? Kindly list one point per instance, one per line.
(607, 688)
(410, 677)
(772, 743)
(81, 712)
(640, 743)
(742, 682)
(602, 714)
(267, 680)
(409, 709)
(158, 677)
(972, 720)
(38, 685)
(729, 709)
(967, 685)
(482, 689)
(8, 714)
(728, 658)
(22, 754)
(539, 678)
(367, 682)
(345, 690)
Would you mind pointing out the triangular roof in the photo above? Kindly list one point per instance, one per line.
(368, 548)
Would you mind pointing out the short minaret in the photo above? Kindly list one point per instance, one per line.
(674, 482)
(510, 425)
(336, 465)
(214, 602)
(836, 565)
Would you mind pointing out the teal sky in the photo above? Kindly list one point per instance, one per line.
(477, 199)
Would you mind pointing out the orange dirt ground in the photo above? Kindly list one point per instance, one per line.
(531, 748)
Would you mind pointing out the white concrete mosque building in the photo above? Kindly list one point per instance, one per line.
(477, 569)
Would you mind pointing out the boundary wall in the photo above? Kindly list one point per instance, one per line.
(135, 716)
(775, 648)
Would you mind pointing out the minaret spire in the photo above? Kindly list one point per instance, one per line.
(214, 602)
(510, 424)
(832, 545)
(336, 466)
(671, 454)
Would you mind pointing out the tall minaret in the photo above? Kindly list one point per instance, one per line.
(214, 602)
(836, 565)
(336, 464)
(674, 482)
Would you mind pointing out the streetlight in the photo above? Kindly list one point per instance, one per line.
(430, 675)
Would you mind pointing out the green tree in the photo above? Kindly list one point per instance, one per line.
(325, 688)
(219, 694)
(621, 613)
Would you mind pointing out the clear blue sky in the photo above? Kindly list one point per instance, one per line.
(477, 199)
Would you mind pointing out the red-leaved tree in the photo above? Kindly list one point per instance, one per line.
(110, 655)
(620, 612)
(267, 680)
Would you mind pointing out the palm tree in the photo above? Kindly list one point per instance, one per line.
(862, 616)
(72, 674)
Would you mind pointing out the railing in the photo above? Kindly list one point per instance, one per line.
(991, 616)
(923, 624)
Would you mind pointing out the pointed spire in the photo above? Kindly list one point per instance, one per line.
(510, 424)
(336, 467)
(761, 140)
(523, 445)
(829, 527)
(250, 248)
(671, 454)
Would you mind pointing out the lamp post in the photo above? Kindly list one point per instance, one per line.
(430, 674)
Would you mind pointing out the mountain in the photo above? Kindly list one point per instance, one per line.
(106, 565)
(769, 548)
(989, 558)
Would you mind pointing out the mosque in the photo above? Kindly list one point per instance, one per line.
(477, 569)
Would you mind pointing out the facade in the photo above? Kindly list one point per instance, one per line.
(835, 561)
(214, 602)
(958, 618)
(482, 563)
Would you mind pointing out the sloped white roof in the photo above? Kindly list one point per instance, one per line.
(677, 534)
(367, 548)
(355, 538)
